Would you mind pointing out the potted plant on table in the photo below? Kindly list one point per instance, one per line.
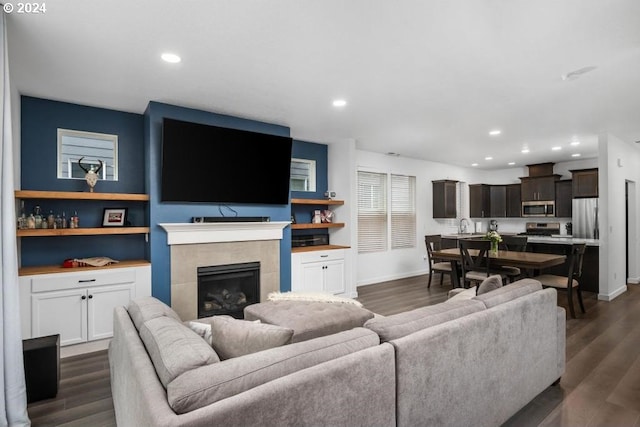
(495, 238)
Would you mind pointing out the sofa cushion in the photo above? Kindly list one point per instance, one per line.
(309, 319)
(402, 324)
(146, 308)
(489, 284)
(233, 337)
(208, 384)
(174, 348)
(202, 329)
(509, 292)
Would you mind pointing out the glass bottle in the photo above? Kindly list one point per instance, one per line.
(37, 215)
(75, 219)
(22, 221)
(31, 221)
(64, 220)
(58, 222)
(51, 219)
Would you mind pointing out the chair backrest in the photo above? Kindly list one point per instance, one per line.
(514, 243)
(478, 263)
(575, 260)
(433, 243)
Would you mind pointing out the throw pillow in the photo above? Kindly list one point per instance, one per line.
(234, 337)
(202, 329)
(311, 296)
(489, 284)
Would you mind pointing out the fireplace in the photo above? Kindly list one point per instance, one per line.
(228, 289)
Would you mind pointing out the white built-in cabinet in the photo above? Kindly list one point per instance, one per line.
(79, 304)
(318, 271)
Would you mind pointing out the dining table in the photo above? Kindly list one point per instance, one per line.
(531, 261)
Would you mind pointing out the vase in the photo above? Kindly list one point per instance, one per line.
(494, 248)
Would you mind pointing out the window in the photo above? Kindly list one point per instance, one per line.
(403, 211)
(372, 212)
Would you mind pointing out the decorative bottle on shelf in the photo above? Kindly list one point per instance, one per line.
(31, 221)
(37, 215)
(64, 220)
(51, 220)
(22, 220)
(58, 222)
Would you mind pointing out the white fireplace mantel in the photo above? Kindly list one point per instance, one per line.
(218, 232)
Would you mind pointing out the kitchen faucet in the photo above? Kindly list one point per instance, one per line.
(464, 223)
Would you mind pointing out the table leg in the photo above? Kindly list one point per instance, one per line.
(455, 274)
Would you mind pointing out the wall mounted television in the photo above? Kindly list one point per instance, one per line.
(205, 163)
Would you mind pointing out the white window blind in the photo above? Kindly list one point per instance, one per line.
(372, 212)
(403, 211)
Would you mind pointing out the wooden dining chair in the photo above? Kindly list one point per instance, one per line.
(434, 242)
(571, 281)
(477, 268)
(517, 244)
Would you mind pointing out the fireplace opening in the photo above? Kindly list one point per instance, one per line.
(228, 289)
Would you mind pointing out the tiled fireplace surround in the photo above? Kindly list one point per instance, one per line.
(201, 245)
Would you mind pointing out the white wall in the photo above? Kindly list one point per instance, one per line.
(399, 263)
(619, 162)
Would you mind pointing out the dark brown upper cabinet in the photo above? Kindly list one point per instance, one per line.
(539, 188)
(563, 198)
(498, 201)
(585, 183)
(444, 198)
(479, 200)
(514, 201)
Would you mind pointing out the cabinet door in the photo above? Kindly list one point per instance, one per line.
(498, 201)
(478, 201)
(444, 199)
(334, 277)
(528, 190)
(546, 188)
(585, 183)
(563, 199)
(60, 312)
(514, 203)
(312, 277)
(102, 302)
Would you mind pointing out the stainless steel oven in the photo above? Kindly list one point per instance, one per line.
(539, 208)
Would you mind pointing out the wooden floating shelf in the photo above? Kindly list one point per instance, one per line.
(317, 248)
(312, 226)
(47, 269)
(73, 195)
(80, 231)
(316, 202)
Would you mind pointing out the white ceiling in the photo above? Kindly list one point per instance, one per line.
(424, 78)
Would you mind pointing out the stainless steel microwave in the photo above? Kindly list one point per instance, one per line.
(539, 208)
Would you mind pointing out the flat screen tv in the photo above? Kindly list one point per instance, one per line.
(204, 163)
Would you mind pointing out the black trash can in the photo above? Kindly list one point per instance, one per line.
(41, 367)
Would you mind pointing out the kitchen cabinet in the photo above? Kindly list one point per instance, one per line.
(479, 200)
(498, 201)
(585, 183)
(563, 198)
(539, 188)
(444, 199)
(79, 304)
(319, 271)
(514, 201)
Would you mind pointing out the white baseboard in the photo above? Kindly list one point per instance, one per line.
(373, 281)
(88, 347)
(633, 280)
(613, 295)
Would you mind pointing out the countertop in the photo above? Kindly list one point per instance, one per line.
(555, 239)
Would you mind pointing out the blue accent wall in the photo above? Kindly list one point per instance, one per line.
(303, 213)
(40, 120)
(183, 212)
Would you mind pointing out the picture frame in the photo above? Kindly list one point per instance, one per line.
(114, 217)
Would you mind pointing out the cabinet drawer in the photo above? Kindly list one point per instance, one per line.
(85, 279)
(321, 256)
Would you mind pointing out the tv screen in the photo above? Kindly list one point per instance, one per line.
(204, 163)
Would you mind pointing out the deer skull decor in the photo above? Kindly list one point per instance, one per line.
(91, 174)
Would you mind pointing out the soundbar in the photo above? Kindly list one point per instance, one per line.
(231, 219)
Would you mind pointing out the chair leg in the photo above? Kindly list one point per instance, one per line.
(570, 302)
(430, 276)
(579, 292)
(441, 278)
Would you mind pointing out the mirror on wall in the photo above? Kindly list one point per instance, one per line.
(73, 145)
(303, 175)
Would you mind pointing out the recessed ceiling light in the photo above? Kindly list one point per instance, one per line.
(391, 153)
(575, 143)
(495, 132)
(556, 148)
(474, 164)
(511, 163)
(488, 158)
(170, 57)
(575, 155)
(339, 103)
(525, 150)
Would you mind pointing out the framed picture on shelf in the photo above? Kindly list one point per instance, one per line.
(114, 217)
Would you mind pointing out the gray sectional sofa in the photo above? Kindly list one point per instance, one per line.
(463, 362)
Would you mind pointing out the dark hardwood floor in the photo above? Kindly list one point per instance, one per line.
(601, 385)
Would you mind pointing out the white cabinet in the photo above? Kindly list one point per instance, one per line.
(318, 271)
(78, 305)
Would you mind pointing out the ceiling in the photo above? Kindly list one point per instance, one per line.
(424, 79)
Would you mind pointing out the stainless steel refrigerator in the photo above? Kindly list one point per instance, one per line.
(585, 218)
